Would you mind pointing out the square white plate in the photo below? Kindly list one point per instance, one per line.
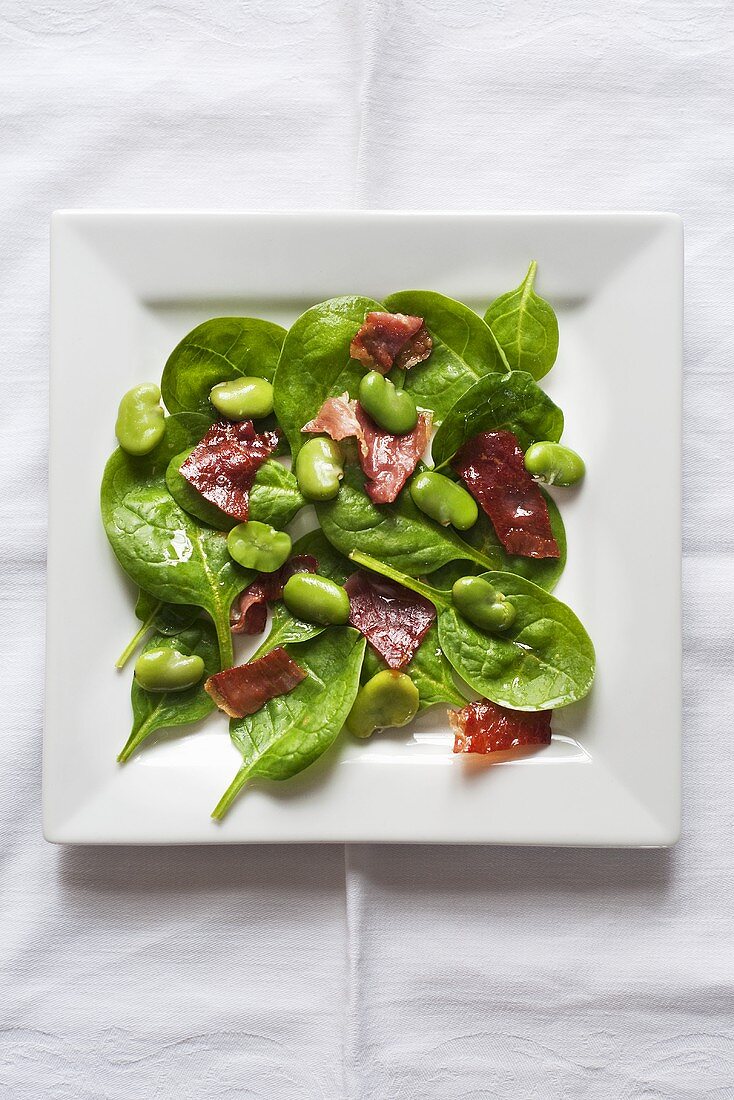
(125, 289)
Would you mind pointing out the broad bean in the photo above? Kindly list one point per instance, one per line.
(444, 500)
(259, 546)
(141, 422)
(390, 408)
(554, 463)
(316, 599)
(246, 398)
(319, 468)
(388, 699)
(482, 604)
(167, 669)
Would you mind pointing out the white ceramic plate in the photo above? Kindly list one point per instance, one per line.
(127, 286)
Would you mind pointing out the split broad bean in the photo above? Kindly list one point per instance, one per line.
(316, 599)
(319, 468)
(141, 422)
(390, 408)
(259, 546)
(443, 500)
(167, 669)
(482, 604)
(388, 700)
(246, 398)
(554, 464)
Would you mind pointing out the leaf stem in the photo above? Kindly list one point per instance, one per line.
(230, 794)
(134, 642)
(224, 637)
(438, 599)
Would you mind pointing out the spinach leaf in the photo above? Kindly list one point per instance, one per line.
(464, 349)
(292, 731)
(153, 711)
(544, 661)
(429, 670)
(315, 362)
(285, 629)
(163, 549)
(218, 351)
(396, 533)
(166, 618)
(526, 327)
(510, 402)
(545, 572)
(274, 498)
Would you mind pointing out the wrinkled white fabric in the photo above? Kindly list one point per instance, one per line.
(376, 973)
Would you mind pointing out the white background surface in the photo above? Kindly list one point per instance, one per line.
(372, 973)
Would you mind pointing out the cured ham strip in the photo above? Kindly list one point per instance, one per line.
(493, 467)
(393, 619)
(485, 727)
(337, 418)
(246, 688)
(223, 466)
(388, 460)
(250, 609)
(388, 340)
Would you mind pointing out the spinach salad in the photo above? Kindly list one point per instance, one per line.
(414, 435)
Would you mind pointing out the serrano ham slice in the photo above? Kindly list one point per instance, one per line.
(337, 418)
(493, 467)
(393, 619)
(388, 460)
(223, 466)
(485, 727)
(244, 689)
(250, 609)
(388, 340)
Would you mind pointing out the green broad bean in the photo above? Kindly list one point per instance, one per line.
(316, 599)
(259, 546)
(480, 602)
(141, 422)
(444, 500)
(389, 699)
(167, 669)
(554, 464)
(246, 398)
(319, 468)
(390, 408)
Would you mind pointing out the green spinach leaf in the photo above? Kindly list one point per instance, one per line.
(332, 564)
(153, 711)
(166, 618)
(396, 533)
(464, 349)
(510, 402)
(292, 731)
(544, 661)
(526, 327)
(163, 549)
(218, 351)
(315, 362)
(274, 498)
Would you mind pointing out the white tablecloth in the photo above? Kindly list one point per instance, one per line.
(380, 973)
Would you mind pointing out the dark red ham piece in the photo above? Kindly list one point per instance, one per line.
(388, 340)
(492, 465)
(246, 688)
(388, 460)
(337, 417)
(250, 609)
(393, 619)
(223, 466)
(485, 727)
